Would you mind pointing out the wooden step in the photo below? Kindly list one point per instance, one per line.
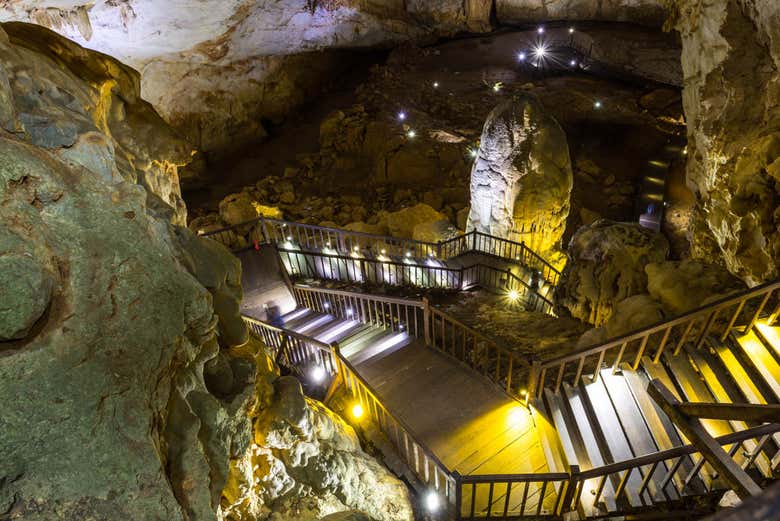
(604, 417)
(558, 459)
(724, 389)
(636, 430)
(381, 346)
(663, 430)
(728, 369)
(770, 335)
(575, 401)
(761, 360)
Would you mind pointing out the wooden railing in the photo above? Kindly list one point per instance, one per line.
(536, 496)
(483, 354)
(490, 277)
(295, 351)
(336, 240)
(656, 475)
(300, 353)
(395, 314)
(718, 318)
(418, 457)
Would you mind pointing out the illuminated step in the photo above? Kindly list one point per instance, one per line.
(770, 335)
(762, 360)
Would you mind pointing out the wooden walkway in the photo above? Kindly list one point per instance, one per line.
(470, 425)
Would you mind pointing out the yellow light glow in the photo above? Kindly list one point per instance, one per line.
(513, 295)
(357, 411)
(518, 416)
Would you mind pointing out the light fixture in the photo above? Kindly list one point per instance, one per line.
(401, 327)
(356, 248)
(357, 411)
(523, 393)
(573, 63)
(326, 305)
(411, 133)
(517, 416)
(540, 51)
(432, 501)
(513, 295)
(597, 104)
(289, 237)
(473, 152)
(383, 251)
(497, 86)
(521, 56)
(571, 30)
(540, 30)
(318, 374)
(408, 254)
(435, 84)
(685, 151)
(349, 312)
(402, 115)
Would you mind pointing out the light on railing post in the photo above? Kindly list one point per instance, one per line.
(357, 411)
(318, 374)
(432, 501)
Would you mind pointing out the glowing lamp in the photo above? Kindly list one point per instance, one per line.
(402, 116)
(318, 374)
(571, 30)
(523, 393)
(408, 254)
(573, 63)
(356, 248)
(473, 152)
(435, 84)
(597, 104)
(521, 56)
(349, 312)
(513, 295)
(411, 133)
(540, 30)
(289, 237)
(357, 411)
(540, 51)
(326, 305)
(432, 501)
(383, 251)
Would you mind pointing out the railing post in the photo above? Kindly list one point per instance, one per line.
(458, 493)
(427, 320)
(438, 249)
(533, 379)
(571, 487)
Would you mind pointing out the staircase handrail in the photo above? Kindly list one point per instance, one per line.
(708, 311)
(344, 293)
(436, 247)
(322, 346)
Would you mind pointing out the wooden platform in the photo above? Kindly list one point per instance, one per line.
(470, 425)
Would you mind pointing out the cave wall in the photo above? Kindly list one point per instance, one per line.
(731, 57)
(215, 70)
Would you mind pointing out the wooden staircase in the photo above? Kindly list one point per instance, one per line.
(608, 417)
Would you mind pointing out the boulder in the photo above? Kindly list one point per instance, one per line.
(732, 100)
(27, 286)
(434, 231)
(521, 180)
(403, 222)
(304, 462)
(606, 264)
(241, 207)
(681, 286)
(628, 315)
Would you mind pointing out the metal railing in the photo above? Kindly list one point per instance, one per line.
(718, 318)
(395, 314)
(501, 365)
(312, 237)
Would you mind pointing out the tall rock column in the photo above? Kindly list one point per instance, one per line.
(731, 59)
(521, 181)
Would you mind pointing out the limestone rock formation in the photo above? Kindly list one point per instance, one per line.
(215, 69)
(404, 222)
(681, 286)
(731, 60)
(86, 109)
(607, 265)
(522, 179)
(126, 376)
(304, 462)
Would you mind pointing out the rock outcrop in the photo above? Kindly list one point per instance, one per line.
(127, 377)
(522, 179)
(607, 265)
(681, 286)
(304, 462)
(86, 109)
(731, 59)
